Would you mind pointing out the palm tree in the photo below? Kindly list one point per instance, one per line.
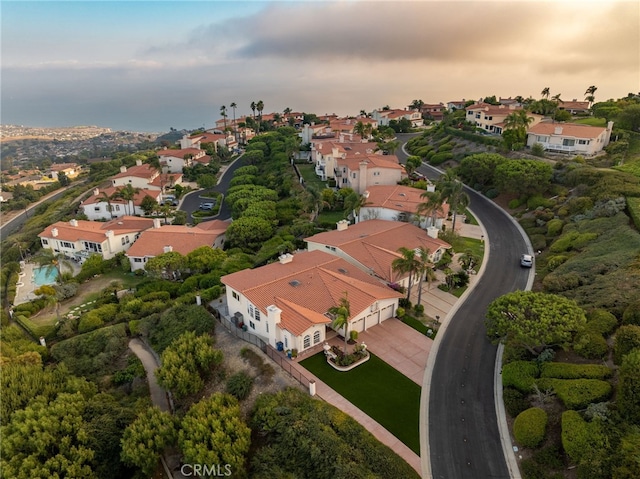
(556, 98)
(433, 205)
(545, 92)
(353, 203)
(468, 259)
(589, 94)
(425, 270)
(233, 106)
(49, 259)
(260, 108)
(253, 108)
(105, 198)
(453, 191)
(223, 112)
(406, 263)
(358, 129)
(128, 193)
(416, 105)
(341, 314)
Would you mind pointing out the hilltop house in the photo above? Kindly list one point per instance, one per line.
(373, 245)
(173, 161)
(490, 118)
(575, 107)
(71, 170)
(358, 171)
(179, 238)
(78, 239)
(145, 176)
(383, 117)
(570, 138)
(288, 302)
(96, 207)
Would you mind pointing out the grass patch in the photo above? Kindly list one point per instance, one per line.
(472, 219)
(308, 172)
(330, 216)
(380, 391)
(592, 121)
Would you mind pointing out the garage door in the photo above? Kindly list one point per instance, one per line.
(358, 325)
(371, 320)
(386, 313)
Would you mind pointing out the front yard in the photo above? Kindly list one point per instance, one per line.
(389, 397)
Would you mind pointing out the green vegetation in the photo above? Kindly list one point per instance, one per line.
(380, 391)
(530, 426)
(520, 375)
(577, 393)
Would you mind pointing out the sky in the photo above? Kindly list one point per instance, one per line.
(154, 65)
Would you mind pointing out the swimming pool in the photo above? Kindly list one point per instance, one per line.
(42, 276)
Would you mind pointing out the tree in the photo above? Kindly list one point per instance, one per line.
(63, 179)
(452, 191)
(223, 112)
(148, 204)
(590, 94)
(515, 129)
(416, 105)
(523, 176)
(48, 259)
(533, 320)
(556, 98)
(169, 265)
(145, 439)
(248, 233)
(433, 205)
(629, 387)
(341, 314)
(50, 296)
(186, 361)
(253, 108)
(213, 433)
(468, 259)
(353, 203)
(407, 263)
(629, 118)
(545, 92)
(424, 269)
(233, 106)
(260, 108)
(205, 259)
(128, 193)
(562, 115)
(48, 439)
(105, 198)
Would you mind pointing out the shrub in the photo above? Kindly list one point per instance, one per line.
(601, 321)
(627, 339)
(538, 201)
(574, 371)
(629, 387)
(631, 314)
(400, 312)
(554, 261)
(66, 290)
(419, 309)
(591, 345)
(530, 426)
(440, 158)
(491, 193)
(89, 322)
(554, 227)
(514, 401)
(513, 204)
(537, 150)
(353, 335)
(577, 393)
(239, 385)
(550, 457)
(538, 241)
(575, 435)
(520, 375)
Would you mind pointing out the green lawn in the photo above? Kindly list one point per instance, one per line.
(390, 398)
(330, 216)
(593, 121)
(308, 172)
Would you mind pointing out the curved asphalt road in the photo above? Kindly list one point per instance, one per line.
(464, 440)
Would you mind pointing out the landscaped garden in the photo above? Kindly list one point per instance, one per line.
(380, 391)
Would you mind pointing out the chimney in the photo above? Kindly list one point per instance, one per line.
(109, 234)
(274, 312)
(54, 232)
(167, 249)
(74, 223)
(138, 162)
(342, 225)
(432, 231)
(610, 126)
(558, 130)
(285, 258)
(96, 191)
(123, 169)
(156, 223)
(362, 186)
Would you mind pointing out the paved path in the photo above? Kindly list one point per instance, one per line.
(158, 395)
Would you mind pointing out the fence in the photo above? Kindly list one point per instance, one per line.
(288, 366)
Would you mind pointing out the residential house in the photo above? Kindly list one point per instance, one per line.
(97, 208)
(215, 137)
(433, 111)
(359, 171)
(145, 176)
(400, 203)
(326, 152)
(490, 118)
(575, 107)
(509, 101)
(71, 170)
(179, 238)
(383, 117)
(288, 301)
(173, 161)
(570, 138)
(372, 246)
(456, 105)
(78, 239)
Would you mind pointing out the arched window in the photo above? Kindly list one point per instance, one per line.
(316, 337)
(306, 342)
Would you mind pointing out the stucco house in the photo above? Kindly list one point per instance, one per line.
(373, 245)
(570, 138)
(325, 153)
(97, 208)
(173, 161)
(179, 238)
(383, 117)
(71, 170)
(145, 176)
(490, 118)
(456, 105)
(288, 301)
(400, 203)
(434, 111)
(78, 239)
(575, 107)
(359, 171)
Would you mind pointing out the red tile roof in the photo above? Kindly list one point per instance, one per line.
(570, 130)
(400, 198)
(374, 161)
(139, 171)
(137, 200)
(94, 230)
(182, 239)
(179, 153)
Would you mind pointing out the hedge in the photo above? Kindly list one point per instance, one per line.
(520, 375)
(590, 344)
(631, 314)
(574, 371)
(530, 426)
(577, 393)
(601, 321)
(440, 158)
(576, 435)
(633, 206)
(627, 339)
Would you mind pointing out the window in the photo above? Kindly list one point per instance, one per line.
(137, 260)
(235, 295)
(267, 325)
(376, 173)
(583, 142)
(44, 241)
(316, 337)
(252, 325)
(542, 139)
(568, 142)
(257, 315)
(286, 342)
(97, 208)
(122, 240)
(353, 175)
(127, 238)
(66, 244)
(478, 115)
(306, 342)
(250, 310)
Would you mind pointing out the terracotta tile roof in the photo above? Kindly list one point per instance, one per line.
(183, 239)
(375, 243)
(400, 198)
(205, 160)
(139, 171)
(209, 137)
(574, 105)
(297, 319)
(375, 161)
(570, 130)
(179, 153)
(213, 225)
(137, 200)
(63, 166)
(493, 109)
(166, 179)
(95, 230)
(313, 280)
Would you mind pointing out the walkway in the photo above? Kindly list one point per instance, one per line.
(158, 395)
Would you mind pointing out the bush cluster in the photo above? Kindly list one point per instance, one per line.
(520, 375)
(239, 385)
(530, 426)
(577, 393)
(574, 371)
(514, 401)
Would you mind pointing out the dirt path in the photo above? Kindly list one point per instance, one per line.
(158, 395)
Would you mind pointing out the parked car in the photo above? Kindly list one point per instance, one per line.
(526, 260)
(170, 200)
(207, 206)
(417, 176)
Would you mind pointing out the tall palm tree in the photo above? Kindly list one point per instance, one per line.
(341, 314)
(128, 193)
(105, 198)
(223, 112)
(406, 263)
(253, 108)
(353, 203)
(358, 129)
(260, 108)
(233, 106)
(545, 92)
(433, 205)
(425, 270)
(589, 94)
(556, 98)
(453, 191)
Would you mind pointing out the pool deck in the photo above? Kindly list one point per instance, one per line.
(26, 283)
